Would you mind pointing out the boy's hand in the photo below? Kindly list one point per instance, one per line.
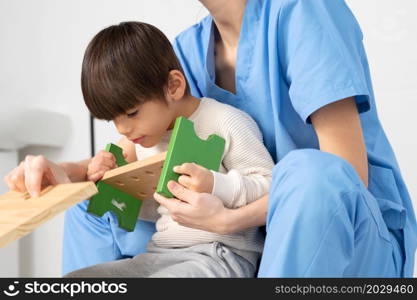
(100, 164)
(195, 177)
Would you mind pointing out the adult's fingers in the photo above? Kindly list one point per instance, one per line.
(50, 176)
(10, 185)
(35, 168)
(15, 180)
(18, 179)
(182, 193)
(173, 205)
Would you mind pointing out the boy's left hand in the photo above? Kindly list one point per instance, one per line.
(195, 177)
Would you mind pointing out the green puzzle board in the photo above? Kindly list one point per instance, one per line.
(186, 146)
(108, 198)
(124, 206)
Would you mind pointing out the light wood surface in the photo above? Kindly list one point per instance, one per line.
(138, 179)
(20, 214)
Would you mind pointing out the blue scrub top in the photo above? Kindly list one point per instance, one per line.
(294, 57)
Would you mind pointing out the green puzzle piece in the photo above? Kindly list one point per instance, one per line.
(125, 207)
(185, 146)
(109, 198)
(118, 154)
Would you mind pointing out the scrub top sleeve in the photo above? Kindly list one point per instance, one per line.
(182, 57)
(322, 55)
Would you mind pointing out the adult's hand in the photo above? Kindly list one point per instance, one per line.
(196, 210)
(34, 173)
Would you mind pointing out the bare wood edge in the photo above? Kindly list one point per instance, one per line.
(28, 226)
(135, 165)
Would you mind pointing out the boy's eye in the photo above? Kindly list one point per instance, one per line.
(132, 114)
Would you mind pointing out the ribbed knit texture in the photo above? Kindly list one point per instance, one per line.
(244, 176)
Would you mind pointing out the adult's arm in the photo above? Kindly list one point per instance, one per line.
(34, 172)
(339, 132)
(207, 212)
(76, 171)
(323, 61)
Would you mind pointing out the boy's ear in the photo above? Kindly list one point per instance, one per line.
(176, 86)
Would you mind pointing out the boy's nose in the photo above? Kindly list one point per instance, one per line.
(125, 130)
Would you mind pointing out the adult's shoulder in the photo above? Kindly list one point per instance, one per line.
(314, 6)
(193, 35)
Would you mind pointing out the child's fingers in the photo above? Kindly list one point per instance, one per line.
(104, 164)
(185, 181)
(109, 164)
(99, 175)
(96, 176)
(189, 169)
(106, 154)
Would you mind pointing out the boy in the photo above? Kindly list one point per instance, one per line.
(130, 75)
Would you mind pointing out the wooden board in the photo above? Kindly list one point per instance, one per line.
(138, 179)
(20, 214)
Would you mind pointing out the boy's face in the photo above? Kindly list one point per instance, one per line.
(146, 123)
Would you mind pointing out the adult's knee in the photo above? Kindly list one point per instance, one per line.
(312, 168)
(309, 177)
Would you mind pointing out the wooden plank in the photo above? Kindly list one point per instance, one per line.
(138, 179)
(20, 214)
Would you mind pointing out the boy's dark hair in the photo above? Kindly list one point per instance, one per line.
(126, 65)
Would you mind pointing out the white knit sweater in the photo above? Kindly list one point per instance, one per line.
(244, 176)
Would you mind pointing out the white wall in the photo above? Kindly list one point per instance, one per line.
(390, 30)
(42, 44)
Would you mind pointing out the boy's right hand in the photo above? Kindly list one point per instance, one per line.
(100, 164)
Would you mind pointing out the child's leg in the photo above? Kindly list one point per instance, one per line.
(89, 240)
(212, 260)
(205, 260)
(322, 221)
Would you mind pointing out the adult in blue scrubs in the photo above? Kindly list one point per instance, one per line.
(294, 58)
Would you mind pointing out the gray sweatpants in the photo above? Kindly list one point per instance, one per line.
(204, 260)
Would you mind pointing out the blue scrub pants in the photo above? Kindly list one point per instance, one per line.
(322, 222)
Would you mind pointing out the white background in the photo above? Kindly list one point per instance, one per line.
(41, 49)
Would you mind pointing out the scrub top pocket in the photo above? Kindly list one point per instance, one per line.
(383, 187)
